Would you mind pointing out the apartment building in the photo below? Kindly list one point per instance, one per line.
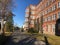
(48, 14)
(26, 19)
(30, 16)
(49, 10)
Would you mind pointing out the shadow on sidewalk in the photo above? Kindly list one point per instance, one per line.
(26, 42)
(21, 42)
(46, 40)
(3, 39)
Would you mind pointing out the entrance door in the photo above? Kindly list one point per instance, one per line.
(57, 31)
(58, 26)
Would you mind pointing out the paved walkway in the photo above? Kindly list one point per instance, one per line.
(39, 43)
(23, 39)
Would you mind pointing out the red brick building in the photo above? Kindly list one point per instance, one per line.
(47, 11)
(30, 16)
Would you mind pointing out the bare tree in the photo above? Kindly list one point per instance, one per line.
(5, 7)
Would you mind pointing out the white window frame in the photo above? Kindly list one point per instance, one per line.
(53, 27)
(58, 4)
(32, 22)
(54, 17)
(58, 14)
(54, 7)
(33, 12)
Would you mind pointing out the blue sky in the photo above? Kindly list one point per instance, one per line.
(20, 10)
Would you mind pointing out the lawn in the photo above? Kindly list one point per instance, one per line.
(40, 37)
(52, 39)
(8, 33)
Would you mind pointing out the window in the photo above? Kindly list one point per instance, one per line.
(54, 17)
(58, 4)
(54, 7)
(53, 0)
(42, 7)
(26, 19)
(33, 12)
(46, 12)
(49, 28)
(46, 19)
(50, 1)
(50, 9)
(58, 14)
(46, 4)
(26, 24)
(32, 22)
(53, 27)
(43, 19)
(27, 10)
(49, 18)
(43, 12)
(26, 15)
(33, 17)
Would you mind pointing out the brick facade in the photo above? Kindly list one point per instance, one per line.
(49, 10)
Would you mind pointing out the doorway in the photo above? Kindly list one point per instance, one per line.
(57, 30)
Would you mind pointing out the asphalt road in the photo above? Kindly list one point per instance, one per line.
(19, 38)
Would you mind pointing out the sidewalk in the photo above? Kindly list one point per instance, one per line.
(37, 42)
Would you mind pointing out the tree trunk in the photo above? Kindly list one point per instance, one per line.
(3, 32)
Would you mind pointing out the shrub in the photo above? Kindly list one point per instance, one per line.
(32, 30)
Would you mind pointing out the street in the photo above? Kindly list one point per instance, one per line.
(19, 38)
